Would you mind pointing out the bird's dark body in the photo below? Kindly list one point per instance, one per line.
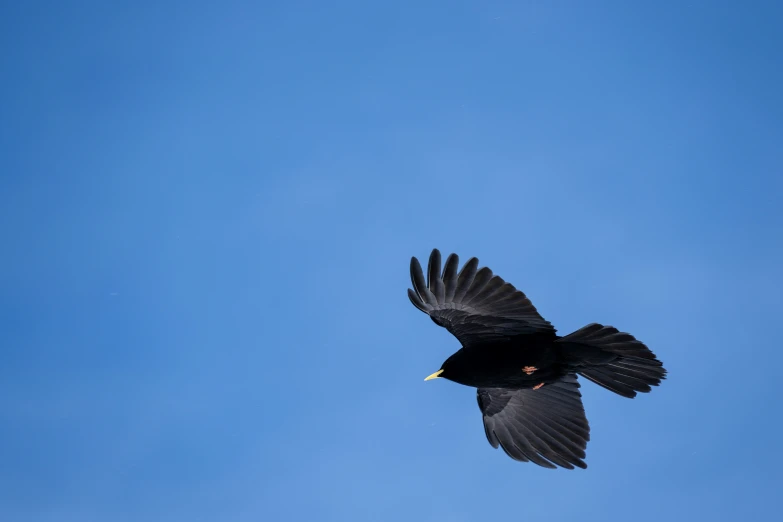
(499, 365)
(525, 374)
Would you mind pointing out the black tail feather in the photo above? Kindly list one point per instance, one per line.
(629, 367)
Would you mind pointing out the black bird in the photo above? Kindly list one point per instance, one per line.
(526, 374)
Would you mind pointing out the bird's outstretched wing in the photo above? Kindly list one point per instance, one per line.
(546, 426)
(474, 305)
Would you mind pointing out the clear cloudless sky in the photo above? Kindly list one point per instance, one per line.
(207, 211)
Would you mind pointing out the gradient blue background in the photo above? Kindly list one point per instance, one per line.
(207, 210)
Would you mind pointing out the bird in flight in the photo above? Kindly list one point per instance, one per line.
(525, 374)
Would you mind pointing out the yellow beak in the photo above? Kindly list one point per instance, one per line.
(434, 375)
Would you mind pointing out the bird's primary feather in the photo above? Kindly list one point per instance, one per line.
(478, 306)
(546, 426)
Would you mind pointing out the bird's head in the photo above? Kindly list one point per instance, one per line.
(474, 368)
(450, 369)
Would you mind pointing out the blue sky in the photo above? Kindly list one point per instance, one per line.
(207, 212)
